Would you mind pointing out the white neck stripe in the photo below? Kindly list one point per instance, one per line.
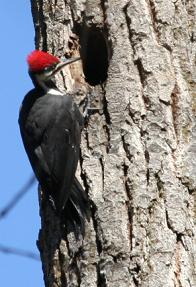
(54, 92)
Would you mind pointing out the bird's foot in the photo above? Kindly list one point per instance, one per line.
(88, 108)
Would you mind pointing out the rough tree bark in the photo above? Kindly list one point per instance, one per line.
(138, 153)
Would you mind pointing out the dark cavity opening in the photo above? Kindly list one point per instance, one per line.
(94, 54)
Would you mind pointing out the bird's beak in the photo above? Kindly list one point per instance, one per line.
(63, 63)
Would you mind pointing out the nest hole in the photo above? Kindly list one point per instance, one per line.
(94, 54)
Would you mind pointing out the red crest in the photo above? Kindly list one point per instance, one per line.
(39, 60)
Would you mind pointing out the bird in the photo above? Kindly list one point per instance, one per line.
(50, 126)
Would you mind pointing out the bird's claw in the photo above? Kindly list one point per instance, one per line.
(88, 109)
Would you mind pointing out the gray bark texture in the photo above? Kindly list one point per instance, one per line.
(138, 162)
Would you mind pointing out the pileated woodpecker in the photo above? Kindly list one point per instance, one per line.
(50, 125)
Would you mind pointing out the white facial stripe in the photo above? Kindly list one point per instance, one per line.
(54, 92)
(41, 78)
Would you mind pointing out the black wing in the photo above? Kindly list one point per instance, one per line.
(60, 149)
(51, 135)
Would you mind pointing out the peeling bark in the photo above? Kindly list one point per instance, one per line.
(138, 151)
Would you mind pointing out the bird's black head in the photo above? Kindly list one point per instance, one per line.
(43, 66)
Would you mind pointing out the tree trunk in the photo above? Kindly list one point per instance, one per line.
(138, 150)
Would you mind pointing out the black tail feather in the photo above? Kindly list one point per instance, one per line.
(76, 210)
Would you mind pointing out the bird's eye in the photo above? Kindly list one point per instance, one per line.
(50, 68)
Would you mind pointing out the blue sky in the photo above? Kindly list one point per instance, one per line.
(20, 228)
